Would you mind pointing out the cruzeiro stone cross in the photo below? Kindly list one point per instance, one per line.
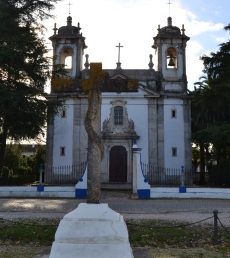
(98, 82)
(92, 229)
(93, 87)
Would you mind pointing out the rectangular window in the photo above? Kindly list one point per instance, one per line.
(118, 115)
(63, 113)
(173, 113)
(62, 151)
(174, 151)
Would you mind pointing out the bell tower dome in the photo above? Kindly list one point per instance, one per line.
(170, 44)
(68, 48)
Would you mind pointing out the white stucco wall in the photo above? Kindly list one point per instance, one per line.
(137, 108)
(173, 133)
(63, 136)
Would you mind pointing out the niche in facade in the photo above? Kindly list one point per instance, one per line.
(171, 58)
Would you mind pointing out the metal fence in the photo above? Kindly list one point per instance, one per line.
(159, 176)
(64, 175)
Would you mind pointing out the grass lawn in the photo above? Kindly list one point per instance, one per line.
(26, 238)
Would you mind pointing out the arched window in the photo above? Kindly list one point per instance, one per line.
(67, 58)
(171, 58)
(68, 62)
(118, 115)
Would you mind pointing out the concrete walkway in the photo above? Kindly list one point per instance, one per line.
(183, 210)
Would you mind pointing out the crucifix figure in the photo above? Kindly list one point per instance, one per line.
(119, 52)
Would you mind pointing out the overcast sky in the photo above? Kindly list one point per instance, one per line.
(134, 23)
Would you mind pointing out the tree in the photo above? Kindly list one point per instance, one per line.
(211, 107)
(24, 69)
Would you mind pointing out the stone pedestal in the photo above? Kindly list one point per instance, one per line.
(92, 231)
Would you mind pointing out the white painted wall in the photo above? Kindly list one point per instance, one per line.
(63, 136)
(173, 133)
(137, 108)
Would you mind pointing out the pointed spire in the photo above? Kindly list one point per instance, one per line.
(55, 29)
(183, 29)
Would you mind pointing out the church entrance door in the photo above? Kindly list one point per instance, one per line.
(118, 165)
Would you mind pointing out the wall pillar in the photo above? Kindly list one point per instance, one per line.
(140, 183)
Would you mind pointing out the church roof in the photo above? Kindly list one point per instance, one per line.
(68, 31)
(171, 31)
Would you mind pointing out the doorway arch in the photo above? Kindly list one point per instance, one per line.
(118, 164)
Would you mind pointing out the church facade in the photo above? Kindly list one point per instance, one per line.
(146, 107)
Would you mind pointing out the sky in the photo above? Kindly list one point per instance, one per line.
(134, 23)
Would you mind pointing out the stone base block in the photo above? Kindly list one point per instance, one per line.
(92, 231)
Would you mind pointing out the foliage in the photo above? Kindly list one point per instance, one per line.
(20, 169)
(211, 109)
(24, 69)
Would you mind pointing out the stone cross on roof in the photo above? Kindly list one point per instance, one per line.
(119, 52)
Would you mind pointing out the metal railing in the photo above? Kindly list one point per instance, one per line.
(64, 175)
(159, 176)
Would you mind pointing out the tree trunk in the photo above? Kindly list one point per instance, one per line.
(202, 164)
(3, 137)
(95, 149)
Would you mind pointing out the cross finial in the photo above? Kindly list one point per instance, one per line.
(169, 3)
(69, 4)
(119, 52)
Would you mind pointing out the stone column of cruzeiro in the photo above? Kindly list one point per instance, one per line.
(92, 87)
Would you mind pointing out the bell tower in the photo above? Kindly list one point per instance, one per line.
(170, 44)
(68, 48)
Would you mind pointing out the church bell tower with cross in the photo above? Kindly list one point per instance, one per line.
(68, 47)
(170, 44)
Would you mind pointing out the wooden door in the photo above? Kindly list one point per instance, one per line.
(118, 165)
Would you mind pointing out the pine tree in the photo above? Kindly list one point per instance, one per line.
(24, 69)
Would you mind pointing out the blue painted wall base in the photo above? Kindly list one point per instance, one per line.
(143, 193)
(40, 188)
(81, 193)
(182, 189)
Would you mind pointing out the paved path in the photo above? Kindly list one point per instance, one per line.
(183, 210)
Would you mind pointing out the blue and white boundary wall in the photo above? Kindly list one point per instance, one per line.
(81, 186)
(155, 192)
(141, 186)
